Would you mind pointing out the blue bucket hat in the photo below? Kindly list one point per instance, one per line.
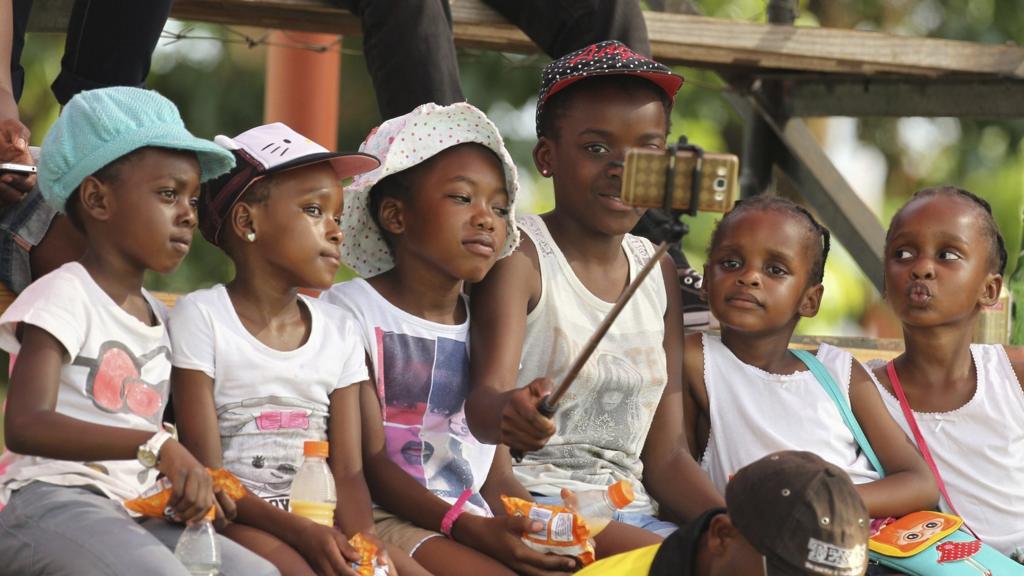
(100, 126)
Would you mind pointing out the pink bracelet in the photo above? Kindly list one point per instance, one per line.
(454, 512)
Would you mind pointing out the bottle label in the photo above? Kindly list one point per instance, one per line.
(319, 512)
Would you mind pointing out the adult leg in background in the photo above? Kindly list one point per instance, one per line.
(109, 43)
(561, 26)
(409, 52)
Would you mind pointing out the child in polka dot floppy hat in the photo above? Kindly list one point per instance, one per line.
(438, 213)
(622, 419)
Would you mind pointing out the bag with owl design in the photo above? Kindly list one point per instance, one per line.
(922, 543)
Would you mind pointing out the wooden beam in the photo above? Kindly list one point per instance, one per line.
(675, 38)
(981, 98)
(828, 193)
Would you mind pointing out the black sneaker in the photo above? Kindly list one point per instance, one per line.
(695, 310)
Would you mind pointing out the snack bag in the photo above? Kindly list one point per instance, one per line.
(564, 532)
(369, 557)
(153, 502)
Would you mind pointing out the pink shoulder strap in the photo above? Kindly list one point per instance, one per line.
(908, 414)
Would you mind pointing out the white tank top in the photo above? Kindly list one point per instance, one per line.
(604, 418)
(979, 449)
(755, 413)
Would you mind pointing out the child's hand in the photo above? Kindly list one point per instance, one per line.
(523, 427)
(192, 495)
(501, 538)
(226, 508)
(327, 550)
(14, 148)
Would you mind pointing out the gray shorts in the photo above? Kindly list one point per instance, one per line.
(22, 227)
(57, 530)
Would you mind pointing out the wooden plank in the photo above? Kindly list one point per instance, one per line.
(7, 297)
(827, 192)
(675, 38)
(980, 98)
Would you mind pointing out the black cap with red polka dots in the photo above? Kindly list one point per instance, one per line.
(606, 58)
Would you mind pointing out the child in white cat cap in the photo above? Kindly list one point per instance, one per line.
(437, 214)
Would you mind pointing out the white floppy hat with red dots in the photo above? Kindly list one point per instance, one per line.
(402, 143)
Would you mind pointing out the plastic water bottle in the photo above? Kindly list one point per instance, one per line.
(313, 492)
(598, 506)
(198, 549)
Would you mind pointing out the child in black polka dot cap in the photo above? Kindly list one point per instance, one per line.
(602, 59)
(536, 309)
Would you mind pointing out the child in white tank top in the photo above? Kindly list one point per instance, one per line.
(944, 259)
(748, 395)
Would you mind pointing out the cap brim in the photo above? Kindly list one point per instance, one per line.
(670, 83)
(345, 164)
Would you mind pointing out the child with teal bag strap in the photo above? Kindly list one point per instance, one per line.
(944, 260)
(749, 395)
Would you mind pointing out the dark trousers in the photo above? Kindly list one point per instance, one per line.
(109, 43)
(411, 55)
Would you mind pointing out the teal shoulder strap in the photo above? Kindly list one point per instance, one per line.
(830, 386)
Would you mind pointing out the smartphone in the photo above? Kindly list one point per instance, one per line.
(24, 169)
(643, 179)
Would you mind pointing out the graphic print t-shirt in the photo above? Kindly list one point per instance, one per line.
(118, 375)
(422, 375)
(269, 402)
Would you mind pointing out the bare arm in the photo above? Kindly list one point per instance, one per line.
(496, 411)
(671, 475)
(397, 491)
(908, 485)
(8, 108)
(13, 134)
(32, 426)
(695, 396)
(502, 481)
(344, 433)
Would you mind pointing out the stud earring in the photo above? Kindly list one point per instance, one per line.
(250, 237)
(545, 172)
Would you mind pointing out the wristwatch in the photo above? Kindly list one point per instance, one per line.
(148, 454)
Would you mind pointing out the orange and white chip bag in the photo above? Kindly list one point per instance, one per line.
(370, 563)
(564, 532)
(153, 502)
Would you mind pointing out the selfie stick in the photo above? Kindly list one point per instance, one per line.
(550, 403)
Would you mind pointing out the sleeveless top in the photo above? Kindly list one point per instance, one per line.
(979, 449)
(754, 413)
(604, 418)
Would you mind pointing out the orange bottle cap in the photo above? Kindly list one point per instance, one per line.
(621, 493)
(319, 448)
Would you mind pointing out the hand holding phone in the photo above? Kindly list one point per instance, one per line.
(17, 170)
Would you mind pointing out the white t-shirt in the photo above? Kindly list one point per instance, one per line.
(118, 375)
(421, 370)
(268, 401)
(979, 449)
(755, 413)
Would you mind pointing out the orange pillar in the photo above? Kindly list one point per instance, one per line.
(302, 86)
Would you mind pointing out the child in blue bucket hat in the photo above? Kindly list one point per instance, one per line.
(90, 386)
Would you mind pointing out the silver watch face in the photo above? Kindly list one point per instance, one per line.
(146, 457)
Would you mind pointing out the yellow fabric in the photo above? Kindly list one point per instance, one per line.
(636, 562)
